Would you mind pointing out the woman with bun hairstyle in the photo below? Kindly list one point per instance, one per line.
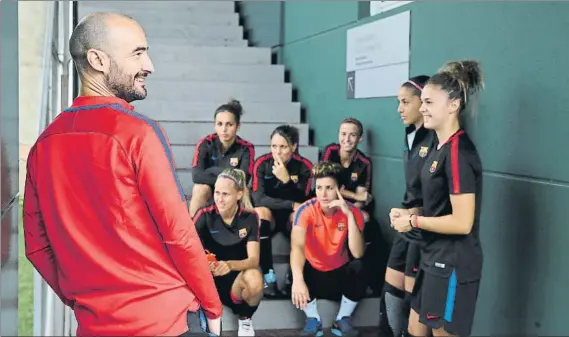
(218, 151)
(446, 289)
(403, 262)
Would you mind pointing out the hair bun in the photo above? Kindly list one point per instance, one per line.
(467, 72)
(236, 106)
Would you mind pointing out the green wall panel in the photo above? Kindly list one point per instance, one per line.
(519, 126)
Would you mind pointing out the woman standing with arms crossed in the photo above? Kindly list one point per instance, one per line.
(446, 290)
(403, 262)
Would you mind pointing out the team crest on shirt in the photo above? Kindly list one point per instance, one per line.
(294, 179)
(434, 166)
(341, 226)
(423, 151)
(242, 233)
(354, 176)
(234, 161)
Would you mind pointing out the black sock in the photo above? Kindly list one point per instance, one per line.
(266, 258)
(246, 311)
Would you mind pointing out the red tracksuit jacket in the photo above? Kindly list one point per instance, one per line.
(107, 226)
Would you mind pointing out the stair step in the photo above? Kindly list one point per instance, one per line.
(289, 317)
(153, 41)
(191, 31)
(164, 53)
(158, 6)
(229, 73)
(219, 91)
(257, 133)
(184, 154)
(192, 111)
(148, 18)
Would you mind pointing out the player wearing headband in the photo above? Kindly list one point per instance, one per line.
(403, 262)
(446, 288)
(229, 231)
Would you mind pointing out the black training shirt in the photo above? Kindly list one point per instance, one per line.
(453, 169)
(227, 242)
(209, 161)
(270, 192)
(414, 156)
(357, 174)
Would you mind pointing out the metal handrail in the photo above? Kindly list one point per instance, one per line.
(51, 317)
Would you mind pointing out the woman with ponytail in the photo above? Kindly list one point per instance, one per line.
(229, 231)
(403, 262)
(446, 289)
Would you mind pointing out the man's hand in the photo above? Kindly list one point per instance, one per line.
(280, 171)
(222, 268)
(300, 296)
(340, 203)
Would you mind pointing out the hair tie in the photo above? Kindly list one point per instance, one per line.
(415, 85)
(225, 175)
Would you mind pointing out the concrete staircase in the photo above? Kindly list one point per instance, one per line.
(202, 61)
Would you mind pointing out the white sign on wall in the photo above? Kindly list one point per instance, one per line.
(377, 57)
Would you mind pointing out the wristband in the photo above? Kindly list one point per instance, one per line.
(416, 222)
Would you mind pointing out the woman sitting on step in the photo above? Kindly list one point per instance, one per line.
(327, 246)
(220, 150)
(229, 232)
(281, 182)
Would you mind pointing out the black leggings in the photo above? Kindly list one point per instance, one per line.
(349, 280)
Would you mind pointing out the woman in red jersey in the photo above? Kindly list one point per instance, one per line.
(446, 289)
(218, 151)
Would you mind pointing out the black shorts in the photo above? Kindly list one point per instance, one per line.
(282, 221)
(442, 301)
(348, 280)
(404, 257)
(224, 284)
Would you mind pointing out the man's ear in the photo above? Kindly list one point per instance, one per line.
(98, 60)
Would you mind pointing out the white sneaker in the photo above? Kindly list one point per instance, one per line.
(245, 328)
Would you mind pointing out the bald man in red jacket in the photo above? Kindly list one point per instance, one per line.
(105, 217)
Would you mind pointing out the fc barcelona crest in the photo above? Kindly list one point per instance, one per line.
(354, 176)
(234, 161)
(242, 233)
(341, 226)
(294, 179)
(423, 151)
(434, 166)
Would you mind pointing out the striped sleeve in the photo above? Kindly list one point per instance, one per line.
(459, 170)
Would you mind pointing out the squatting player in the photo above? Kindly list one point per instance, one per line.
(326, 231)
(229, 231)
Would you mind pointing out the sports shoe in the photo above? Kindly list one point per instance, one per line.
(245, 327)
(313, 327)
(343, 327)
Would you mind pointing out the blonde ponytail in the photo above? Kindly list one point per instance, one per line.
(240, 179)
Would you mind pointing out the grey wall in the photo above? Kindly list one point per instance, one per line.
(9, 149)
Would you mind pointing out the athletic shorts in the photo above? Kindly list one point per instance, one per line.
(442, 301)
(404, 257)
(224, 284)
(282, 221)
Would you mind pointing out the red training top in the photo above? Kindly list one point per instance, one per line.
(107, 226)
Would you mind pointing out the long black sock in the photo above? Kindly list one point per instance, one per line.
(266, 258)
(246, 311)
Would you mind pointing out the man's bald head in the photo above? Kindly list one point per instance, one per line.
(92, 32)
